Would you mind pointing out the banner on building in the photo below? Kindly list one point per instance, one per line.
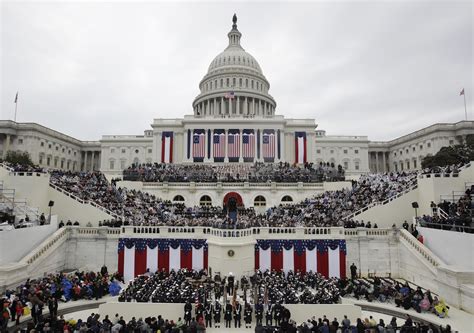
(167, 147)
(327, 257)
(248, 145)
(233, 146)
(199, 145)
(268, 145)
(300, 148)
(136, 255)
(218, 147)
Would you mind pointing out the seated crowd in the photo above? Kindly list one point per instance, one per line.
(270, 288)
(254, 173)
(330, 208)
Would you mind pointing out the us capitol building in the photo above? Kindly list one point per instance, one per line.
(233, 121)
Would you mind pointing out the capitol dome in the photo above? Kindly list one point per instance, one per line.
(234, 84)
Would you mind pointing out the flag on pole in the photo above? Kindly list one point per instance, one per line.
(460, 94)
(16, 97)
(230, 95)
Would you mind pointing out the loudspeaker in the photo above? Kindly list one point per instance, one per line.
(414, 204)
(51, 203)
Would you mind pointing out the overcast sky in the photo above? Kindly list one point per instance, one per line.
(381, 69)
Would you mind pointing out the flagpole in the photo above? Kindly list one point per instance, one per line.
(465, 109)
(16, 105)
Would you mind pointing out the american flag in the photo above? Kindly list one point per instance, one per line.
(219, 145)
(268, 145)
(230, 95)
(234, 145)
(199, 147)
(248, 145)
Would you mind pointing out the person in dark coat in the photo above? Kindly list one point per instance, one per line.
(53, 307)
(187, 312)
(199, 311)
(228, 315)
(353, 271)
(259, 313)
(248, 315)
(217, 314)
(208, 309)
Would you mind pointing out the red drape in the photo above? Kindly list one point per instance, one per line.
(163, 260)
(296, 149)
(120, 261)
(323, 263)
(140, 262)
(163, 148)
(342, 264)
(300, 262)
(304, 152)
(257, 259)
(171, 148)
(186, 259)
(206, 259)
(277, 260)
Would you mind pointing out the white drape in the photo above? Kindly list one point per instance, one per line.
(265, 257)
(152, 259)
(334, 259)
(129, 263)
(288, 259)
(311, 260)
(198, 258)
(301, 150)
(167, 149)
(175, 258)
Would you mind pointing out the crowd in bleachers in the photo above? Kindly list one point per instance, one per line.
(455, 215)
(140, 208)
(452, 169)
(254, 173)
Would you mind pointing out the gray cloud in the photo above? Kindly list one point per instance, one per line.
(380, 69)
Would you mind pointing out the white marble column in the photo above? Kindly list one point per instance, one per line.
(253, 106)
(238, 106)
(230, 107)
(376, 162)
(214, 112)
(246, 107)
(85, 161)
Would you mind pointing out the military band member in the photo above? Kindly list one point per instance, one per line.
(269, 315)
(259, 313)
(208, 309)
(228, 315)
(217, 314)
(248, 315)
(237, 314)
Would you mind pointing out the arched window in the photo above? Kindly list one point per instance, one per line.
(260, 201)
(205, 201)
(178, 198)
(286, 199)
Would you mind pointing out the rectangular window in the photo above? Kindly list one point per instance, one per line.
(149, 150)
(331, 151)
(122, 165)
(345, 151)
(356, 165)
(49, 146)
(346, 165)
(48, 161)
(20, 141)
(318, 151)
(414, 164)
(112, 165)
(41, 160)
(451, 142)
(408, 165)
(112, 150)
(42, 144)
(413, 148)
(429, 144)
(356, 151)
(123, 151)
(421, 147)
(62, 164)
